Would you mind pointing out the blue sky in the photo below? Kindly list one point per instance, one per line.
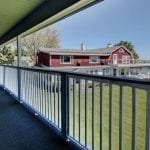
(109, 22)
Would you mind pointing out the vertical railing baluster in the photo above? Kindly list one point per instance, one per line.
(86, 92)
(48, 95)
(147, 131)
(46, 104)
(93, 108)
(79, 101)
(133, 119)
(54, 88)
(28, 87)
(25, 82)
(4, 76)
(51, 97)
(19, 84)
(33, 90)
(36, 90)
(45, 93)
(110, 115)
(74, 98)
(40, 91)
(48, 84)
(58, 88)
(101, 115)
(34, 87)
(39, 94)
(31, 95)
(120, 117)
(64, 105)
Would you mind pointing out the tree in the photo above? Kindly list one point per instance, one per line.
(6, 56)
(23, 52)
(47, 38)
(130, 47)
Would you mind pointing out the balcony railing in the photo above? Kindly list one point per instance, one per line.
(95, 112)
(125, 61)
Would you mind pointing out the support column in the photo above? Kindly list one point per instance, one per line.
(129, 72)
(18, 65)
(64, 106)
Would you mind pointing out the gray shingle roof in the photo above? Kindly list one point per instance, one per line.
(106, 51)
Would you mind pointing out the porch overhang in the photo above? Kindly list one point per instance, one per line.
(18, 16)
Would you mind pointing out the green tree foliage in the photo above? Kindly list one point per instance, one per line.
(24, 52)
(6, 55)
(130, 47)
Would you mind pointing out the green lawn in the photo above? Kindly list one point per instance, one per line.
(46, 100)
(127, 117)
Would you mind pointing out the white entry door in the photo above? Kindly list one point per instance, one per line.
(115, 58)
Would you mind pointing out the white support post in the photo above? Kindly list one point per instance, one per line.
(18, 65)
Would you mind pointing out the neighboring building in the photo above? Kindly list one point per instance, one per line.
(51, 57)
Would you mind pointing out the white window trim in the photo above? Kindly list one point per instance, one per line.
(126, 59)
(71, 59)
(90, 60)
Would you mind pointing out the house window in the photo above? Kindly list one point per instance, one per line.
(66, 59)
(94, 59)
(125, 59)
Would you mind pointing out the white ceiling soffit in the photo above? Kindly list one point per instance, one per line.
(82, 4)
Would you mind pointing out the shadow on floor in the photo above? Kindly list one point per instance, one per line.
(20, 130)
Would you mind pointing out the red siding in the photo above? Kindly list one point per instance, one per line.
(78, 61)
(81, 60)
(104, 60)
(120, 53)
(43, 59)
(54, 60)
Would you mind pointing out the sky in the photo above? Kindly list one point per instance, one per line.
(109, 22)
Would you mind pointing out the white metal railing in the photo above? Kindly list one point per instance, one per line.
(11, 80)
(125, 61)
(1, 75)
(96, 112)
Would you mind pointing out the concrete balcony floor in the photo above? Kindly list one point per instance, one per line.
(20, 130)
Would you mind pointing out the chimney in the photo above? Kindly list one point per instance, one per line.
(109, 45)
(82, 46)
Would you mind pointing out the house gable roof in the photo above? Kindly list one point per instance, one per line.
(100, 51)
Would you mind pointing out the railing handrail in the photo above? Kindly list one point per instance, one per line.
(103, 78)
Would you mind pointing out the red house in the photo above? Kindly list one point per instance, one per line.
(81, 57)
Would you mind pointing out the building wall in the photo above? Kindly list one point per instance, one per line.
(78, 61)
(43, 59)
(54, 60)
(120, 53)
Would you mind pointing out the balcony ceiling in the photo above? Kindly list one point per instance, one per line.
(17, 16)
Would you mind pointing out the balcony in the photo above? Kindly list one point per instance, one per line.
(20, 129)
(94, 112)
(47, 109)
